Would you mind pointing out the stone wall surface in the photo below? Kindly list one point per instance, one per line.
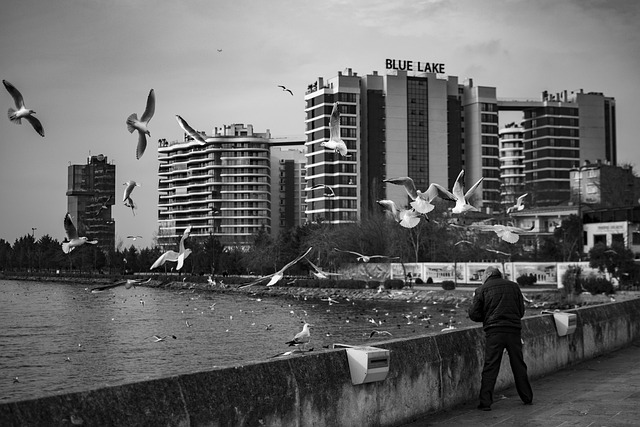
(426, 374)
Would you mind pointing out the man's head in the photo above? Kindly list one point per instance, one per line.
(490, 272)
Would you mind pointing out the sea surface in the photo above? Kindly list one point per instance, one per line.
(60, 338)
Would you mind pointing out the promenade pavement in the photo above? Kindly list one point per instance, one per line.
(604, 391)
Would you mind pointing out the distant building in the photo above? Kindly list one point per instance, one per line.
(512, 182)
(91, 192)
(288, 188)
(603, 185)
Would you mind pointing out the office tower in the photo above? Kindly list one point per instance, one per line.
(90, 196)
(287, 183)
(511, 165)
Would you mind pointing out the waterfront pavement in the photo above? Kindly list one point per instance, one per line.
(604, 391)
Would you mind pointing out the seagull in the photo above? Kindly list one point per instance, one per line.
(422, 201)
(519, 204)
(462, 202)
(275, 277)
(364, 258)
(286, 90)
(379, 333)
(159, 338)
(219, 50)
(328, 193)
(190, 131)
(72, 236)
(128, 201)
(134, 237)
(407, 218)
(128, 284)
(508, 233)
(302, 337)
(104, 205)
(22, 111)
(335, 142)
(319, 273)
(173, 256)
(497, 251)
(141, 125)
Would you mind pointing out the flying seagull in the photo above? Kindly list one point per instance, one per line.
(335, 141)
(190, 131)
(319, 273)
(519, 204)
(379, 333)
(286, 90)
(158, 338)
(134, 237)
(173, 256)
(302, 337)
(275, 277)
(72, 236)
(462, 198)
(363, 258)
(407, 218)
(128, 284)
(508, 233)
(22, 111)
(103, 205)
(142, 125)
(422, 201)
(128, 201)
(328, 190)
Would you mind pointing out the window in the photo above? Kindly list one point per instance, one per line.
(599, 238)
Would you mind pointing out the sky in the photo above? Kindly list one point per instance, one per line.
(85, 66)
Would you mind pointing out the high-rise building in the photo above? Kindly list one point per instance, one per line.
(511, 165)
(287, 183)
(90, 195)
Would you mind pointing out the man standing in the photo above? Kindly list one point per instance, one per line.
(499, 305)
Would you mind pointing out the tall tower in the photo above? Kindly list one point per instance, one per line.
(90, 195)
(511, 165)
(288, 173)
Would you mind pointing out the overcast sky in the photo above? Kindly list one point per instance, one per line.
(84, 66)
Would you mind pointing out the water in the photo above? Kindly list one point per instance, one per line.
(59, 338)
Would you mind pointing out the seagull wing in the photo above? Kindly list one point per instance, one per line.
(506, 234)
(334, 124)
(458, 188)
(408, 184)
(167, 256)
(184, 237)
(15, 94)
(473, 188)
(151, 107)
(349, 252)
(189, 130)
(282, 270)
(437, 190)
(35, 123)
(142, 144)
(69, 228)
(255, 282)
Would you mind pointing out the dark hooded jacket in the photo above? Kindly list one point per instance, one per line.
(497, 303)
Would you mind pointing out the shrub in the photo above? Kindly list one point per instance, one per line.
(571, 280)
(597, 285)
(527, 280)
(393, 284)
(429, 281)
(448, 285)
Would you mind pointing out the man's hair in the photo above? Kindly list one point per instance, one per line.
(490, 272)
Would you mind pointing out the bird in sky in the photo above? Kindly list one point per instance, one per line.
(462, 198)
(22, 111)
(519, 204)
(104, 205)
(128, 284)
(497, 251)
(134, 237)
(508, 233)
(219, 50)
(173, 256)
(190, 131)
(158, 338)
(422, 200)
(286, 90)
(275, 277)
(319, 273)
(72, 236)
(364, 258)
(128, 201)
(301, 338)
(335, 141)
(407, 218)
(142, 125)
(328, 190)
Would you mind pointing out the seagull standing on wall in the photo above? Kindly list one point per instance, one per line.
(142, 125)
(462, 198)
(72, 236)
(22, 111)
(422, 201)
(335, 142)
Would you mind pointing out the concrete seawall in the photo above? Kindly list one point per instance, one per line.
(426, 374)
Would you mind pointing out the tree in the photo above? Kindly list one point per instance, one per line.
(568, 238)
(616, 260)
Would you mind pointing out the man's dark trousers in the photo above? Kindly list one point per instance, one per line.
(496, 343)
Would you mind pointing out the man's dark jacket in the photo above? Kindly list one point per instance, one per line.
(498, 304)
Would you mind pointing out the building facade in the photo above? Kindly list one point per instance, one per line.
(91, 192)
(288, 183)
(598, 185)
(512, 182)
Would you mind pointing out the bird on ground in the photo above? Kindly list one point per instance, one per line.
(286, 90)
(158, 338)
(319, 273)
(128, 201)
(104, 205)
(335, 141)
(422, 200)
(462, 198)
(73, 241)
(364, 258)
(301, 338)
(519, 204)
(328, 190)
(407, 218)
(174, 256)
(142, 125)
(128, 284)
(275, 277)
(134, 237)
(22, 111)
(197, 136)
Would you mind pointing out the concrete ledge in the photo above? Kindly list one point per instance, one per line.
(427, 374)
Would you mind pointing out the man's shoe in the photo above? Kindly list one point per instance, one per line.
(528, 403)
(484, 408)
